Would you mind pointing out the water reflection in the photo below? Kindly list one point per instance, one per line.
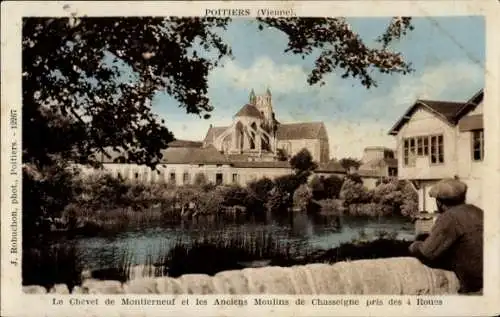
(298, 230)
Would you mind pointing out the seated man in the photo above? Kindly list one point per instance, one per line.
(456, 237)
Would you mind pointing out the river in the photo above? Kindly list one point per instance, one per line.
(300, 232)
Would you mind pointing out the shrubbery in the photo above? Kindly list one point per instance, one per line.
(302, 196)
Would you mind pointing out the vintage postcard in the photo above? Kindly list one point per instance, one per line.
(319, 158)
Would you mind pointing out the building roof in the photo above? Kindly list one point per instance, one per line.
(302, 130)
(263, 164)
(185, 143)
(377, 163)
(449, 111)
(331, 167)
(470, 123)
(249, 111)
(286, 131)
(378, 148)
(213, 133)
(191, 155)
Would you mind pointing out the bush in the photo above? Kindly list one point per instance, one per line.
(261, 188)
(234, 195)
(302, 196)
(332, 186)
(354, 193)
(317, 187)
(354, 178)
(409, 205)
(46, 192)
(303, 161)
(399, 195)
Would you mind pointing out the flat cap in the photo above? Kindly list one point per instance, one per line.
(449, 189)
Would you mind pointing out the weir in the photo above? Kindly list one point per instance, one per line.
(389, 276)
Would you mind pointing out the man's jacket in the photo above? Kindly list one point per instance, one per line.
(456, 242)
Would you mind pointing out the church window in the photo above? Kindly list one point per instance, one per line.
(235, 178)
(252, 142)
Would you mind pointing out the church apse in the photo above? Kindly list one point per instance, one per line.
(255, 134)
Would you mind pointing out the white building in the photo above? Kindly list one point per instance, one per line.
(441, 139)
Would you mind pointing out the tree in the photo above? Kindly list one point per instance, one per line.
(348, 163)
(354, 193)
(261, 188)
(303, 161)
(302, 196)
(317, 187)
(354, 178)
(332, 186)
(88, 82)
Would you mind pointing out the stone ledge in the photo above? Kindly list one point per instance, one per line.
(393, 276)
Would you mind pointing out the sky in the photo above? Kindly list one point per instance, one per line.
(447, 53)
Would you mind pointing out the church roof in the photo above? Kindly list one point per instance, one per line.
(191, 155)
(249, 111)
(286, 131)
(185, 143)
(331, 167)
(213, 133)
(302, 130)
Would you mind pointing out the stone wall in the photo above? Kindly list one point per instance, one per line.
(403, 276)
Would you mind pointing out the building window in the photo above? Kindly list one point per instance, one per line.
(185, 178)
(235, 178)
(136, 175)
(393, 171)
(219, 165)
(478, 145)
(218, 179)
(172, 178)
(423, 146)
(437, 149)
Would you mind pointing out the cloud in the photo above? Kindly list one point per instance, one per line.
(263, 73)
(451, 80)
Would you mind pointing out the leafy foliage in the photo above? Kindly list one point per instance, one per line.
(303, 161)
(332, 186)
(46, 192)
(317, 187)
(261, 188)
(88, 82)
(302, 196)
(349, 162)
(354, 193)
(341, 48)
(354, 177)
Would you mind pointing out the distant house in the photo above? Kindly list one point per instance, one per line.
(331, 168)
(441, 139)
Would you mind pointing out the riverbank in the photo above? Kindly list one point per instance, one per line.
(105, 203)
(62, 263)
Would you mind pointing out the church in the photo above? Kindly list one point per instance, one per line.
(254, 145)
(256, 135)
